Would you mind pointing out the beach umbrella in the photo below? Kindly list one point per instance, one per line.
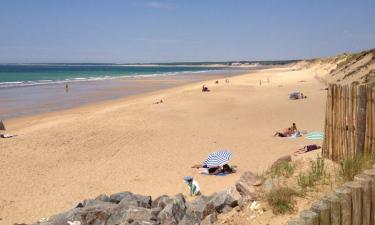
(2, 127)
(218, 158)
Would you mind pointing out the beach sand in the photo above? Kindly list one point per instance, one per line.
(131, 144)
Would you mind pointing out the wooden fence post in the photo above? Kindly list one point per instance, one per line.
(371, 174)
(309, 217)
(345, 195)
(361, 121)
(334, 203)
(322, 209)
(356, 189)
(296, 221)
(366, 197)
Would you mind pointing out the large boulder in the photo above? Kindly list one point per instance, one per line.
(200, 207)
(209, 220)
(173, 209)
(105, 214)
(282, 159)
(131, 200)
(228, 197)
(103, 198)
(190, 219)
(246, 184)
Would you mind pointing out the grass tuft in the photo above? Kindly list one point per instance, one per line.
(352, 166)
(283, 168)
(315, 174)
(281, 200)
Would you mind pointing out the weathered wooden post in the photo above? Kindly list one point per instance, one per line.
(309, 217)
(366, 197)
(296, 221)
(361, 122)
(335, 208)
(322, 209)
(345, 195)
(356, 189)
(371, 174)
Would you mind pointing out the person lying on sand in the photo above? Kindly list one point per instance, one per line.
(159, 102)
(205, 89)
(225, 169)
(307, 148)
(288, 132)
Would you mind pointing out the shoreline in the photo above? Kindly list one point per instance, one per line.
(17, 105)
(131, 144)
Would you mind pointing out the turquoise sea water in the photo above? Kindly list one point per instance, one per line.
(37, 74)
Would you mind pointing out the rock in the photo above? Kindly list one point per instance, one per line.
(285, 158)
(210, 219)
(245, 185)
(94, 202)
(190, 219)
(103, 198)
(164, 200)
(225, 198)
(244, 201)
(200, 207)
(174, 210)
(131, 200)
(140, 214)
(238, 209)
(226, 209)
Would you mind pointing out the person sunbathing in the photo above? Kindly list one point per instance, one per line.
(205, 89)
(225, 169)
(287, 133)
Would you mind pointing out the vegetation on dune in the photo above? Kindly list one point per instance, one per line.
(281, 200)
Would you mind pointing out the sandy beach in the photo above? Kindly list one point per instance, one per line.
(131, 144)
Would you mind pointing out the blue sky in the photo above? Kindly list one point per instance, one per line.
(191, 30)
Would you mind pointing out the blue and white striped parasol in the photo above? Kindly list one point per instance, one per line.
(218, 158)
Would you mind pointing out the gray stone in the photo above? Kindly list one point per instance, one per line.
(190, 219)
(164, 200)
(245, 185)
(129, 199)
(103, 198)
(285, 158)
(226, 209)
(140, 214)
(228, 197)
(210, 219)
(173, 211)
(200, 207)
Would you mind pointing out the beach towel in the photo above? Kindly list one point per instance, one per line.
(316, 135)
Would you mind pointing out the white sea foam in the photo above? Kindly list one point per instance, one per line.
(98, 78)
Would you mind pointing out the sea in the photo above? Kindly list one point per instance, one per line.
(29, 89)
(16, 75)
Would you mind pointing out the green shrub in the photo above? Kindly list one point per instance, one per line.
(352, 166)
(315, 174)
(281, 200)
(283, 168)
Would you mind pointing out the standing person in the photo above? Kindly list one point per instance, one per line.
(294, 128)
(66, 87)
(193, 186)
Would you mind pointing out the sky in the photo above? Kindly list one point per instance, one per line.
(129, 31)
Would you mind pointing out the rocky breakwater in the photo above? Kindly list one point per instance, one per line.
(126, 208)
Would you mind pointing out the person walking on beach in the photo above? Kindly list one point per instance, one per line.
(66, 87)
